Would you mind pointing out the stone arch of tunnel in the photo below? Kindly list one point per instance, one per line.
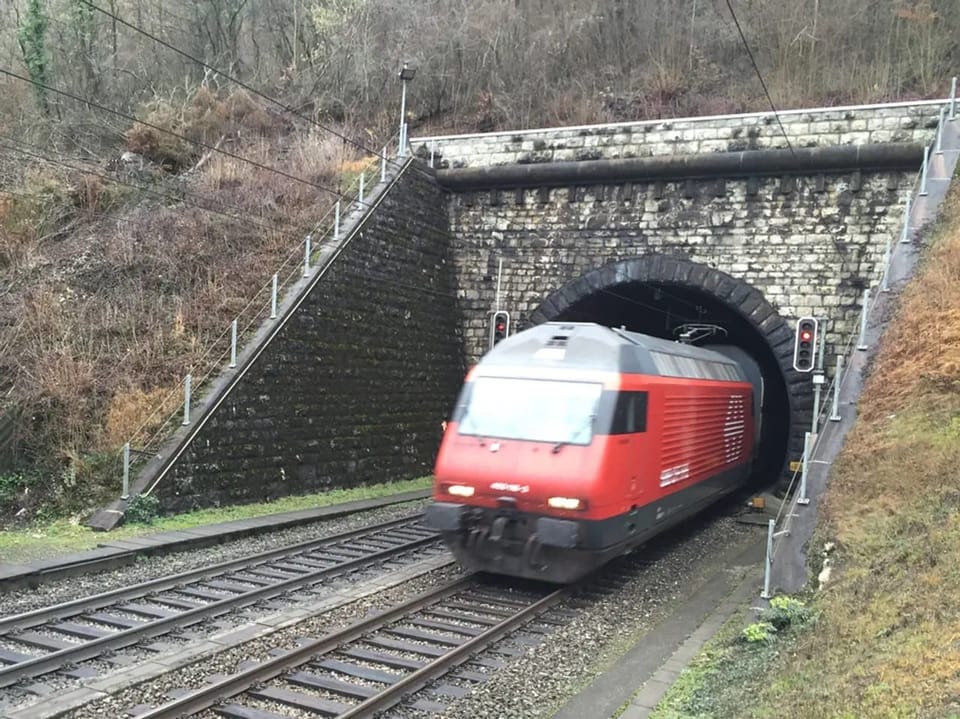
(655, 294)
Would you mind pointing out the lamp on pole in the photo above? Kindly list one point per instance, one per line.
(406, 73)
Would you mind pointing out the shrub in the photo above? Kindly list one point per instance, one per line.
(758, 633)
(785, 612)
(143, 509)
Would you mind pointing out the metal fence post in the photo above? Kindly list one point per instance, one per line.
(908, 210)
(768, 561)
(306, 257)
(336, 221)
(835, 414)
(923, 171)
(233, 344)
(862, 344)
(803, 498)
(943, 119)
(383, 165)
(363, 176)
(953, 98)
(186, 399)
(273, 298)
(126, 471)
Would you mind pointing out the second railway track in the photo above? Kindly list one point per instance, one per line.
(375, 663)
(56, 637)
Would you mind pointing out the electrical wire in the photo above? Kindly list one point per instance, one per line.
(756, 68)
(199, 143)
(286, 108)
(184, 198)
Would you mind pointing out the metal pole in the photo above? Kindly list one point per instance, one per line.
(403, 112)
(306, 256)
(943, 119)
(499, 275)
(336, 221)
(273, 298)
(862, 344)
(803, 498)
(126, 471)
(403, 139)
(907, 211)
(768, 561)
(383, 165)
(363, 176)
(814, 422)
(835, 414)
(233, 344)
(953, 98)
(186, 399)
(823, 343)
(923, 171)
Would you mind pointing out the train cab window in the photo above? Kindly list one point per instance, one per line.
(533, 410)
(630, 413)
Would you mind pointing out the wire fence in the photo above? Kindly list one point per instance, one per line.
(173, 409)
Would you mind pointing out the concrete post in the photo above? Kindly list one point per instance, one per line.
(924, 169)
(363, 176)
(943, 119)
(907, 212)
(306, 257)
(336, 221)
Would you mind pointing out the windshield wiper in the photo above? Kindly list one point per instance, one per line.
(586, 425)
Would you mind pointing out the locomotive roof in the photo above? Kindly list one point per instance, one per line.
(587, 345)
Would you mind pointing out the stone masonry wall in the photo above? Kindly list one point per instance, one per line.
(902, 122)
(354, 388)
(809, 245)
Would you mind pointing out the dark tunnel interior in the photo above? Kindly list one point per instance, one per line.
(661, 310)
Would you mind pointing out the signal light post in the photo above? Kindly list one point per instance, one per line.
(499, 327)
(805, 344)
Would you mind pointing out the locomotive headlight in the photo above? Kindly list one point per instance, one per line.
(460, 490)
(565, 503)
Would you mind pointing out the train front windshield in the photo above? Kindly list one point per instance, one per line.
(535, 410)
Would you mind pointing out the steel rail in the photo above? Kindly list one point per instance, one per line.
(43, 615)
(416, 681)
(206, 697)
(57, 659)
(234, 684)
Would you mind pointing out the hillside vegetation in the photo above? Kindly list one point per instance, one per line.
(117, 272)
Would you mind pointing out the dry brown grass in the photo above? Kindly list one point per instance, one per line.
(102, 327)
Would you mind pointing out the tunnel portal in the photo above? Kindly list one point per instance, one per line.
(651, 296)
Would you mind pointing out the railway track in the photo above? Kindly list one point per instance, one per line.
(56, 637)
(376, 663)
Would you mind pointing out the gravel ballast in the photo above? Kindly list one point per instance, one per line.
(148, 567)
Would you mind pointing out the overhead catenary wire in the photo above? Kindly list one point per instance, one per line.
(199, 143)
(746, 45)
(273, 101)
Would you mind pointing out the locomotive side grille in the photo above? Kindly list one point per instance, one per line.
(701, 435)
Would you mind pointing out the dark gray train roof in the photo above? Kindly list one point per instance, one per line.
(587, 345)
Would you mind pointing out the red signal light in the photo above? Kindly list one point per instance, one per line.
(805, 336)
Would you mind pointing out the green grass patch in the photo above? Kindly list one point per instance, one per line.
(64, 536)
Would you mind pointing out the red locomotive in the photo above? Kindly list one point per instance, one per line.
(572, 443)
